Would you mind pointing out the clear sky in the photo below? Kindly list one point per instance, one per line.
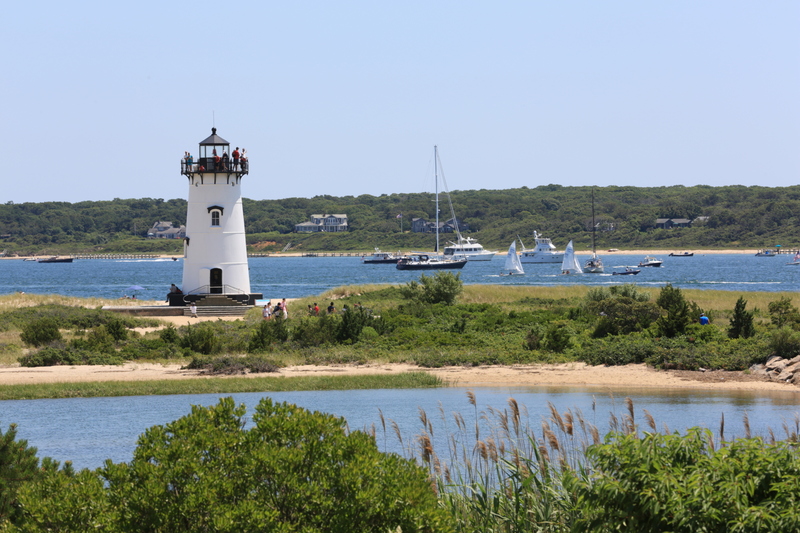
(100, 100)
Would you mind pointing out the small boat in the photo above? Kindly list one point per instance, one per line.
(55, 259)
(593, 265)
(544, 251)
(682, 254)
(513, 265)
(426, 262)
(650, 261)
(381, 258)
(627, 272)
(570, 264)
(766, 253)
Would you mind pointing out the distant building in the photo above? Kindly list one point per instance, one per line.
(323, 223)
(420, 225)
(670, 223)
(165, 230)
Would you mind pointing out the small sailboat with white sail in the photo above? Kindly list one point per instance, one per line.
(594, 265)
(570, 264)
(513, 264)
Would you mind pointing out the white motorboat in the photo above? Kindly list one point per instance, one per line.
(379, 257)
(544, 251)
(513, 265)
(650, 261)
(467, 248)
(570, 264)
(593, 265)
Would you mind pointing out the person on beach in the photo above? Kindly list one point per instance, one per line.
(703, 319)
(316, 309)
(266, 312)
(285, 309)
(331, 309)
(193, 310)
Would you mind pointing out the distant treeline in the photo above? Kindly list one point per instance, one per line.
(737, 216)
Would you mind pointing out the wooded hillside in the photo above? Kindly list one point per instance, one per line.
(738, 216)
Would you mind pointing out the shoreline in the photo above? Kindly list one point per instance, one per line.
(632, 251)
(635, 376)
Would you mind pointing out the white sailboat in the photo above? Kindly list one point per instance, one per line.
(570, 264)
(513, 264)
(594, 265)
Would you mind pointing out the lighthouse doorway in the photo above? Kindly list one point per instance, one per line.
(215, 281)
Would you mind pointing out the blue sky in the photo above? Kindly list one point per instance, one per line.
(349, 97)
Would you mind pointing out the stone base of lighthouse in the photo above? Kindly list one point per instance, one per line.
(214, 299)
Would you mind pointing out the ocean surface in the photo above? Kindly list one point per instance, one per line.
(296, 277)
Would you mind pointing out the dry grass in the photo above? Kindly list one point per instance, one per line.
(17, 300)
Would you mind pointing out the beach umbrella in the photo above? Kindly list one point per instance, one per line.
(135, 288)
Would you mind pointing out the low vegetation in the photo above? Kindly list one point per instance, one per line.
(433, 322)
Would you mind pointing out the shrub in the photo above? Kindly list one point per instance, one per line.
(678, 315)
(200, 339)
(352, 323)
(267, 333)
(442, 287)
(783, 313)
(785, 342)
(40, 332)
(169, 334)
(290, 470)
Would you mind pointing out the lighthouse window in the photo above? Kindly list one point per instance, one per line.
(215, 218)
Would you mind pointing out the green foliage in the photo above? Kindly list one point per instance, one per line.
(40, 332)
(201, 339)
(169, 335)
(55, 355)
(622, 309)
(18, 466)
(352, 324)
(678, 316)
(783, 313)
(682, 483)
(68, 317)
(741, 322)
(268, 333)
(784, 342)
(293, 470)
(442, 287)
(229, 364)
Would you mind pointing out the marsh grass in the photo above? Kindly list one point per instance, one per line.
(498, 470)
(228, 385)
(9, 302)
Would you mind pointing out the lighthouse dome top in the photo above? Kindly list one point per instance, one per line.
(214, 140)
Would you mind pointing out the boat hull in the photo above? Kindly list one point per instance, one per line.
(380, 261)
(56, 260)
(471, 257)
(430, 265)
(628, 273)
(681, 255)
(538, 257)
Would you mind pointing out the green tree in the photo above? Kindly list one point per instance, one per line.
(18, 466)
(783, 313)
(678, 316)
(742, 321)
(293, 470)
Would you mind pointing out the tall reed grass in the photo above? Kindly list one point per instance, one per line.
(497, 470)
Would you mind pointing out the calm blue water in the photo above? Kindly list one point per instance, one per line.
(295, 277)
(89, 431)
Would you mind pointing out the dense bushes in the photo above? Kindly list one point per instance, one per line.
(290, 470)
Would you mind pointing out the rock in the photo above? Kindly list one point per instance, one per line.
(758, 370)
(776, 364)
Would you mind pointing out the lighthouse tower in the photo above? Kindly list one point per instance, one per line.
(215, 269)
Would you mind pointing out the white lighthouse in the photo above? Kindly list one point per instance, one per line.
(214, 250)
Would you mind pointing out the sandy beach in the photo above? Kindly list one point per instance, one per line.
(570, 374)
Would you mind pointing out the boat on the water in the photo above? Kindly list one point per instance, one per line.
(467, 248)
(381, 258)
(513, 264)
(795, 260)
(682, 254)
(650, 261)
(426, 262)
(594, 265)
(570, 264)
(626, 272)
(766, 253)
(55, 259)
(544, 251)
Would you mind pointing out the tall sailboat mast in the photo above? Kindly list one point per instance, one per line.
(436, 179)
(594, 228)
